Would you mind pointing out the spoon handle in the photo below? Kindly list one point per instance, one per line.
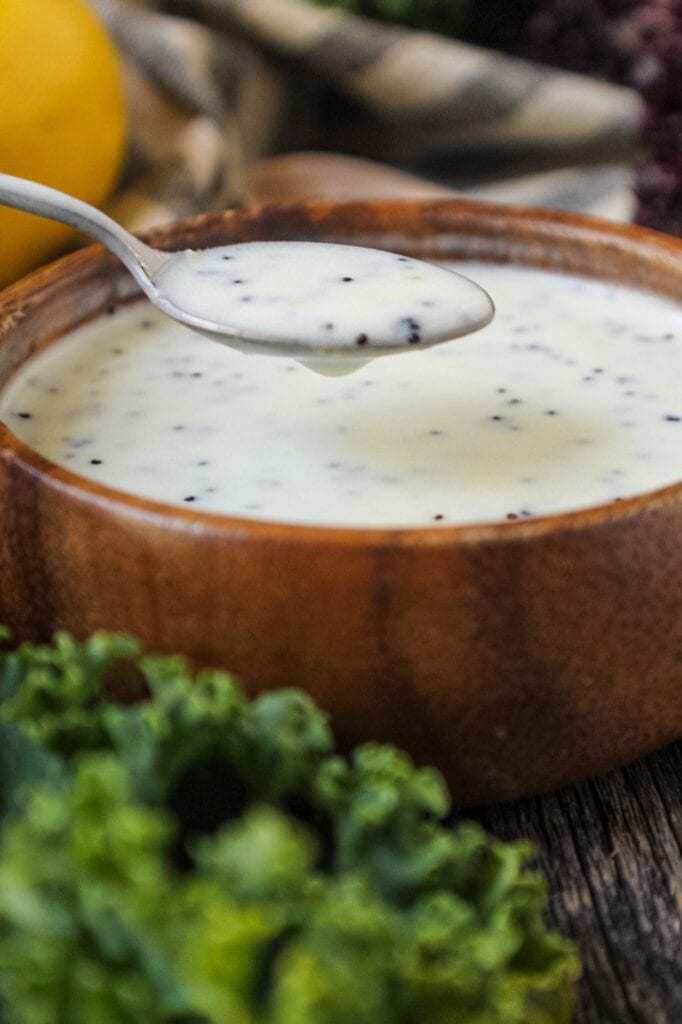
(21, 194)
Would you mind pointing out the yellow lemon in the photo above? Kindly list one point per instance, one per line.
(61, 117)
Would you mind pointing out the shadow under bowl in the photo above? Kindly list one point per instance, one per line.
(516, 656)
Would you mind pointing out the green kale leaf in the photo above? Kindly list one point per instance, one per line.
(197, 857)
(87, 906)
(57, 692)
(22, 761)
(196, 746)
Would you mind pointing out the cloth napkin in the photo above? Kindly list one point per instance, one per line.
(215, 85)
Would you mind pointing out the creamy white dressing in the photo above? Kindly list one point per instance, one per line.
(572, 397)
(316, 296)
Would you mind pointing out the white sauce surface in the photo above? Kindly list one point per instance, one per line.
(572, 397)
(316, 295)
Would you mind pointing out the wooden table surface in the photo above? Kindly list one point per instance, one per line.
(611, 849)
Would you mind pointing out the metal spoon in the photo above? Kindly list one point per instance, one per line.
(148, 266)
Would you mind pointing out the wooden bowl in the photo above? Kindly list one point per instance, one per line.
(515, 656)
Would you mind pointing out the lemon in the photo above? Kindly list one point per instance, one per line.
(61, 117)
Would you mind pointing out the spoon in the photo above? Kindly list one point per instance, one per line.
(332, 307)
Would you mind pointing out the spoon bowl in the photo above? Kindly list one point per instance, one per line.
(333, 307)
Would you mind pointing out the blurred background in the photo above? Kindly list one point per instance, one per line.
(158, 110)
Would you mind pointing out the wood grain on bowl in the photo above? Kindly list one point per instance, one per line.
(515, 656)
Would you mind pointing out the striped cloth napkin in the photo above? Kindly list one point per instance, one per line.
(215, 85)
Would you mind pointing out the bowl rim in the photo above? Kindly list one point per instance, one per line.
(77, 266)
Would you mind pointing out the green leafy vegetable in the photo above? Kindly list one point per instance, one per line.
(86, 908)
(21, 763)
(57, 692)
(200, 858)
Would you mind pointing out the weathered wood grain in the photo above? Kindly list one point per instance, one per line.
(611, 849)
